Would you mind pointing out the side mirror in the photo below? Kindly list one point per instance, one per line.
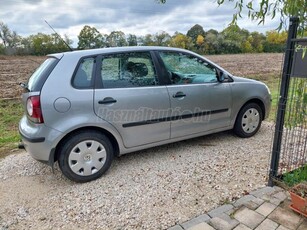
(220, 75)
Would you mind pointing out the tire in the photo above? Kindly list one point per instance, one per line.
(248, 120)
(85, 156)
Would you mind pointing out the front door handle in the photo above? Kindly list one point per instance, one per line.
(107, 100)
(179, 94)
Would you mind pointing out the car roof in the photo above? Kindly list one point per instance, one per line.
(109, 50)
(92, 52)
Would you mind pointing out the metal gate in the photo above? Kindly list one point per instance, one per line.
(289, 150)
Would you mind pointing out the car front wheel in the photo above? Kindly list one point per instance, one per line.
(85, 156)
(248, 120)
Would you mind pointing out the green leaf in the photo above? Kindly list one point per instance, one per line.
(250, 5)
(304, 52)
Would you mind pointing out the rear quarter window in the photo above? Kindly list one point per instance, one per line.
(83, 78)
(40, 75)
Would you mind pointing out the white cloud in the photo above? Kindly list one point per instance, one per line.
(138, 17)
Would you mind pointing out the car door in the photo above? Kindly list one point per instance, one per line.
(199, 102)
(129, 97)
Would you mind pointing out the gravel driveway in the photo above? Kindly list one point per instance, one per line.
(151, 189)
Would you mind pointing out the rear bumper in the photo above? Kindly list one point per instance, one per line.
(38, 140)
(32, 139)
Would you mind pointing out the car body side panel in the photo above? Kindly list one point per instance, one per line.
(38, 139)
(137, 148)
(66, 109)
(58, 92)
(208, 103)
(138, 113)
(80, 103)
(244, 90)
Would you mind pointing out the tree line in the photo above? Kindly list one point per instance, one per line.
(231, 40)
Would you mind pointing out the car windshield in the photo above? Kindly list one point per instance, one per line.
(39, 73)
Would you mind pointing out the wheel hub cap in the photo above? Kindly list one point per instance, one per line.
(87, 158)
(250, 120)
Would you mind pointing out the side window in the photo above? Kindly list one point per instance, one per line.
(83, 76)
(188, 69)
(128, 70)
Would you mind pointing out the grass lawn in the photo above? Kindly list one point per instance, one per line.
(273, 82)
(10, 114)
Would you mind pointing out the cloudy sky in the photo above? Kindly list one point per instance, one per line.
(138, 17)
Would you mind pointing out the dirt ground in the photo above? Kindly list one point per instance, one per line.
(152, 189)
(16, 69)
(264, 64)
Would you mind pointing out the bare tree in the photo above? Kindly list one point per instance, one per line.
(5, 34)
(9, 38)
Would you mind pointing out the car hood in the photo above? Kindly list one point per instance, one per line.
(247, 80)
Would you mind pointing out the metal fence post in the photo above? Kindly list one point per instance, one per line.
(284, 87)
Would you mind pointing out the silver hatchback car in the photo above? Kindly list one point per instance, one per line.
(82, 108)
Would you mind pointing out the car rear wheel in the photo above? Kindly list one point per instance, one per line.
(85, 156)
(248, 120)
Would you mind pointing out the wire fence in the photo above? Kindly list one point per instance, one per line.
(289, 151)
(293, 152)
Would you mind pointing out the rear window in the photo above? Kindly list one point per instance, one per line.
(41, 74)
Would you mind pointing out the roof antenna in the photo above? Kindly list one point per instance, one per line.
(59, 36)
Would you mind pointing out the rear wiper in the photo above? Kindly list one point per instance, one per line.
(24, 85)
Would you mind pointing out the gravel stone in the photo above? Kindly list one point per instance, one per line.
(150, 189)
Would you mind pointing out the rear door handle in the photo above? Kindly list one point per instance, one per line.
(107, 100)
(179, 94)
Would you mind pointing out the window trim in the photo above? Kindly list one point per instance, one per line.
(93, 73)
(164, 70)
(44, 75)
(98, 79)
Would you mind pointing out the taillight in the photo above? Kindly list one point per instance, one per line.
(34, 109)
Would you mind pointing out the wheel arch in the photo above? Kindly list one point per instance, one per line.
(256, 101)
(248, 128)
(87, 128)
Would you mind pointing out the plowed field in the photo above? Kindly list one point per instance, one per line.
(16, 69)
